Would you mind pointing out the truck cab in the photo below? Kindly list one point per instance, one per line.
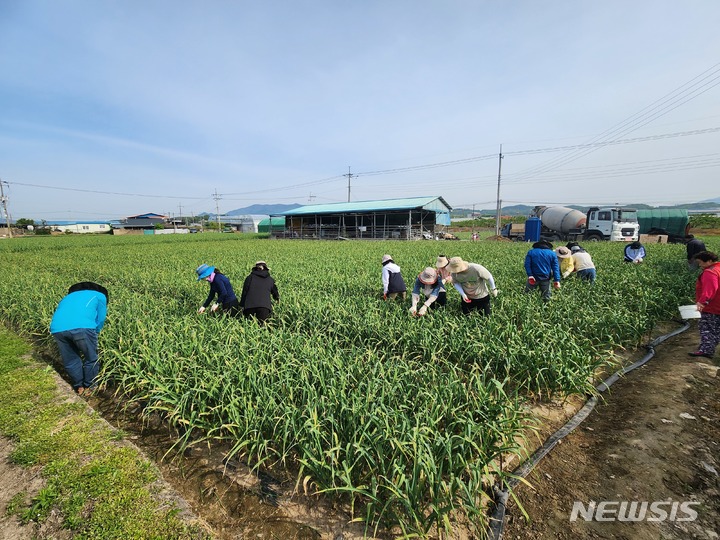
(513, 231)
(616, 224)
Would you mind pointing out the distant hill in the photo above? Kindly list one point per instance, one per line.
(263, 209)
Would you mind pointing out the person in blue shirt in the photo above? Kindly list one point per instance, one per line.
(430, 284)
(542, 265)
(75, 326)
(220, 286)
(634, 253)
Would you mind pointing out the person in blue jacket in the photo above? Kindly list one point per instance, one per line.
(75, 326)
(542, 265)
(220, 286)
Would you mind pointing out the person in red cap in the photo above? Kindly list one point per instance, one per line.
(430, 284)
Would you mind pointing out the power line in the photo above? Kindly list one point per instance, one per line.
(660, 107)
(103, 192)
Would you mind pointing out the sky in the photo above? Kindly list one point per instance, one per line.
(111, 108)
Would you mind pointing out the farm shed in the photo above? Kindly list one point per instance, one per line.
(402, 219)
(276, 224)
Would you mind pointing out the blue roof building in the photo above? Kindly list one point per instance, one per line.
(403, 219)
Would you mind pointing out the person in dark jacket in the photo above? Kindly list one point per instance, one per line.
(258, 289)
(75, 326)
(220, 286)
(392, 280)
(634, 253)
(542, 265)
(693, 247)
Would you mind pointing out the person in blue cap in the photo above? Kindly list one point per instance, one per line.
(75, 326)
(220, 286)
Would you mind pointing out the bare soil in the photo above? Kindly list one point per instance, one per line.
(655, 437)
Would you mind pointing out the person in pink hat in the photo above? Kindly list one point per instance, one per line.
(429, 284)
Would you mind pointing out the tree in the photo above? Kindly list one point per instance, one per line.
(23, 223)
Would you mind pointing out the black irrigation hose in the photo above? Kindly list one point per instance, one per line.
(497, 518)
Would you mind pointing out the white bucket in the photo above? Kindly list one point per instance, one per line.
(689, 312)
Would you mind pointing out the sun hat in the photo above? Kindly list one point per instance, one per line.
(563, 252)
(456, 264)
(441, 262)
(428, 276)
(386, 258)
(204, 271)
(263, 263)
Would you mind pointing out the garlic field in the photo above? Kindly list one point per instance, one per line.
(403, 419)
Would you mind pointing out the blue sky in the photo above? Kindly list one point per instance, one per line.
(112, 108)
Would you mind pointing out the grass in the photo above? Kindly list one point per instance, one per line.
(99, 487)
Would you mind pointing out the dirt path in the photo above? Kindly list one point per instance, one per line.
(655, 438)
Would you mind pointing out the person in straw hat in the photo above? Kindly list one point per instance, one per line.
(474, 283)
(259, 289)
(392, 280)
(219, 286)
(430, 284)
(566, 261)
(442, 267)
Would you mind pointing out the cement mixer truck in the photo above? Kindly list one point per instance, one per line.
(616, 224)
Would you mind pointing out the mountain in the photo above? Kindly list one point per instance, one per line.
(263, 209)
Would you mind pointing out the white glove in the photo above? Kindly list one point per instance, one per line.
(201, 309)
(214, 307)
(494, 293)
(413, 310)
(423, 310)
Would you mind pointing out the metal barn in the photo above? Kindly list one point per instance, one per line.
(401, 219)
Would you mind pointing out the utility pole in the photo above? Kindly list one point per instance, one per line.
(349, 175)
(499, 202)
(473, 221)
(217, 209)
(180, 215)
(4, 200)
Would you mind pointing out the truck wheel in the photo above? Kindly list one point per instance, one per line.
(595, 238)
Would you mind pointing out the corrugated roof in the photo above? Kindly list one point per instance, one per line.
(365, 206)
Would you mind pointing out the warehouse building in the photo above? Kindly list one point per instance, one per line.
(400, 219)
(79, 227)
